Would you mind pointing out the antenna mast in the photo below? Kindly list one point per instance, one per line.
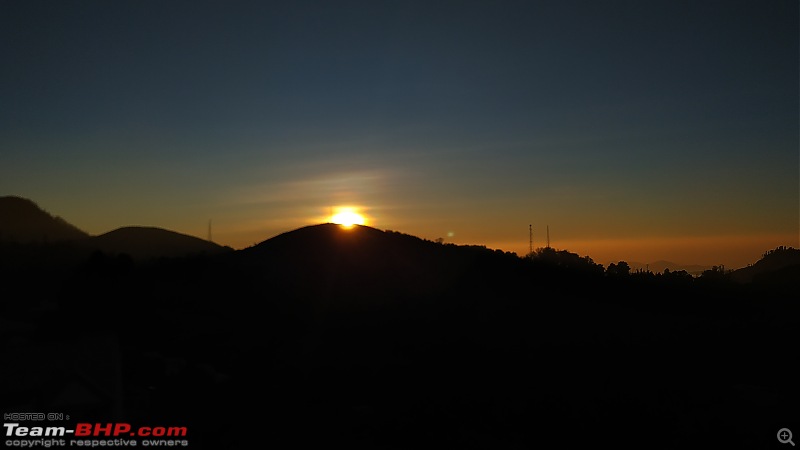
(548, 236)
(530, 238)
(209, 230)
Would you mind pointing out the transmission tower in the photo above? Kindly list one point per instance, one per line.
(548, 236)
(530, 238)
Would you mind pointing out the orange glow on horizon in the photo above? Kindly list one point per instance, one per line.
(732, 251)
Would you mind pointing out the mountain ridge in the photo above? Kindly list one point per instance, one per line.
(146, 242)
(776, 260)
(364, 326)
(23, 221)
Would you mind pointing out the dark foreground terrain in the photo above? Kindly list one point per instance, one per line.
(326, 337)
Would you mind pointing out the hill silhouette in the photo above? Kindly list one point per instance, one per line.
(785, 260)
(366, 263)
(143, 243)
(33, 236)
(380, 339)
(23, 221)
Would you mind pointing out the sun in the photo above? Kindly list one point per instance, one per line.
(347, 218)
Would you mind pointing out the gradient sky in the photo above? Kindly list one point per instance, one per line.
(634, 130)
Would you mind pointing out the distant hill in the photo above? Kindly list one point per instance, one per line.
(782, 262)
(152, 242)
(23, 221)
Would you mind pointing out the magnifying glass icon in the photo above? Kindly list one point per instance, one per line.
(785, 436)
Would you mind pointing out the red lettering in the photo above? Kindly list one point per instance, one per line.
(83, 429)
(121, 428)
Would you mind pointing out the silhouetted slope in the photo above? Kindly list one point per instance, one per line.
(152, 242)
(363, 338)
(361, 333)
(366, 263)
(23, 221)
(779, 259)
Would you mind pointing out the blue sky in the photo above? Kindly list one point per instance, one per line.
(635, 131)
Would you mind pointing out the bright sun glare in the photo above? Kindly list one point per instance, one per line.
(347, 218)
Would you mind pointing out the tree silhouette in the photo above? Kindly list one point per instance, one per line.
(619, 269)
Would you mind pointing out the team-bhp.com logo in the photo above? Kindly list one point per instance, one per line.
(94, 430)
(117, 434)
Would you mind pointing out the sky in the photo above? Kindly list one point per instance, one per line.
(623, 130)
